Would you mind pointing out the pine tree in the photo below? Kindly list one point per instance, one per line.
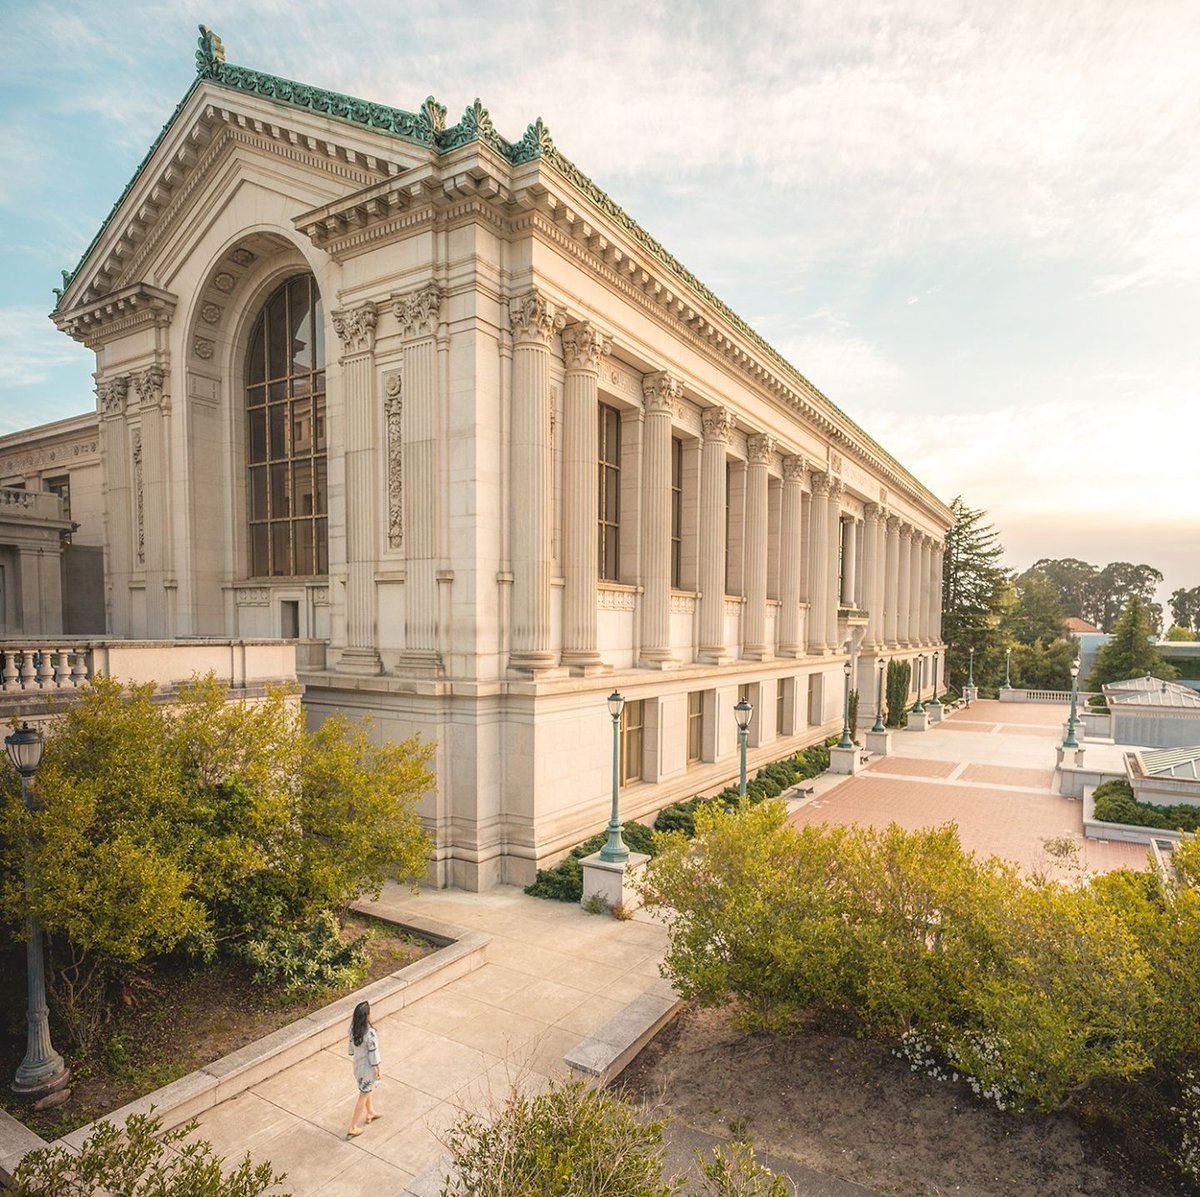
(973, 584)
(1129, 653)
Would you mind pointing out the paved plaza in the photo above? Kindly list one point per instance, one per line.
(553, 974)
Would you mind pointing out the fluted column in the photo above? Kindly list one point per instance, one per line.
(914, 591)
(355, 328)
(833, 592)
(754, 620)
(891, 583)
(938, 552)
(872, 588)
(535, 320)
(422, 495)
(111, 397)
(926, 590)
(583, 346)
(818, 565)
(718, 426)
(850, 564)
(790, 556)
(904, 585)
(155, 500)
(660, 392)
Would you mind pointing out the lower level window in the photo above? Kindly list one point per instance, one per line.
(633, 729)
(695, 725)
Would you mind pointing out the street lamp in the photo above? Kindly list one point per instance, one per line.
(918, 709)
(1070, 741)
(1007, 664)
(614, 851)
(879, 701)
(845, 741)
(935, 701)
(42, 1071)
(971, 664)
(743, 712)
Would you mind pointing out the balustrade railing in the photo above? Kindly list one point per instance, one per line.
(44, 665)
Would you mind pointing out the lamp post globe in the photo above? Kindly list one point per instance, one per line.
(614, 850)
(43, 1070)
(743, 712)
(845, 741)
(879, 699)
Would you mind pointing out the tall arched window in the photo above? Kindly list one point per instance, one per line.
(285, 435)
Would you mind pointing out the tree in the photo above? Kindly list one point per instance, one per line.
(1037, 615)
(1116, 584)
(1130, 653)
(973, 583)
(1074, 580)
(1185, 608)
(1180, 635)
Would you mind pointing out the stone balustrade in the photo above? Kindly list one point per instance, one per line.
(35, 503)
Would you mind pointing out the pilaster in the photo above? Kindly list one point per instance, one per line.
(583, 347)
(872, 579)
(904, 583)
(754, 618)
(850, 563)
(112, 395)
(926, 590)
(660, 393)
(718, 423)
(891, 583)
(833, 518)
(355, 328)
(155, 499)
(818, 566)
(914, 591)
(790, 555)
(938, 553)
(535, 322)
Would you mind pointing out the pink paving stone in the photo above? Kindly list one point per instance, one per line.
(990, 822)
(952, 725)
(1003, 775)
(1051, 733)
(912, 766)
(1029, 714)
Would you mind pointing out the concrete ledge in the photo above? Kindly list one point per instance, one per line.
(601, 1058)
(240, 1070)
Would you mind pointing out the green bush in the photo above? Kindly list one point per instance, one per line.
(564, 881)
(139, 1160)
(312, 956)
(899, 677)
(1115, 803)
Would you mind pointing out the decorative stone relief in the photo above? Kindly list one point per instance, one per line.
(793, 468)
(835, 462)
(733, 606)
(872, 511)
(40, 460)
(320, 596)
(719, 423)
(883, 495)
(210, 313)
(149, 386)
(535, 319)
(111, 395)
(661, 392)
(821, 485)
(355, 328)
(242, 256)
(224, 282)
(836, 488)
(683, 604)
(584, 345)
(203, 348)
(253, 596)
(616, 378)
(393, 408)
(417, 311)
(139, 504)
(615, 600)
(759, 448)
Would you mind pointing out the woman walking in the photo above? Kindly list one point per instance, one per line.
(364, 1049)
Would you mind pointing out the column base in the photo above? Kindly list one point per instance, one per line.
(757, 652)
(657, 658)
(793, 650)
(585, 664)
(715, 655)
(51, 1078)
(363, 661)
(425, 663)
(818, 650)
(537, 663)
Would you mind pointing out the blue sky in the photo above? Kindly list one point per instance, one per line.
(976, 227)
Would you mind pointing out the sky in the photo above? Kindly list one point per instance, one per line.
(974, 226)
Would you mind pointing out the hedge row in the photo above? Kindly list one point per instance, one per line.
(1115, 803)
(564, 882)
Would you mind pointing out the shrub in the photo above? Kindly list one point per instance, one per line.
(569, 1141)
(854, 715)
(1119, 806)
(139, 1160)
(899, 677)
(734, 1172)
(564, 881)
(311, 956)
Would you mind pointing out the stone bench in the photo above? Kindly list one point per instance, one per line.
(602, 1057)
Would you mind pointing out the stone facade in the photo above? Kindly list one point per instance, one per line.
(500, 344)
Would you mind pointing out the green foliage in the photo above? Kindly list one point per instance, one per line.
(734, 1172)
(1073, 581)
(899, 680)
(569, 1141)
(1115, 803)
(1041, 666)
(1038, 614)
(139, 1160)
(1129, 653)
(854, 715)
(159, 828)
(298, 957)
(564, 881)
(1180, 635)
(1185, 608)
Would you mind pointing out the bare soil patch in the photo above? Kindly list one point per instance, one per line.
(851, 1109)
(191, 1016)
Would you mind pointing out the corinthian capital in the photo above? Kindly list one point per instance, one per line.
(793, 468)
(661, 392)
(355, 328)
(535, 319)
(872, 512)
(893, 525)
(820, 485)
(149, 386)
(111, 394)
(718, 423)
(583, 346)
(417, 311)
(759, 448)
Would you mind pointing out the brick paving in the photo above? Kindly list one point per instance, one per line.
(1035, 779)
(912, 766)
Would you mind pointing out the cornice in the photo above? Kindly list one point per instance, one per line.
(114, 315)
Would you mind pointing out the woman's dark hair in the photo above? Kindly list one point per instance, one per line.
(360, 1022)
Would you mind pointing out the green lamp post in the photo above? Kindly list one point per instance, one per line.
(43, 1070)
(615, 851)
(1007, 668)
(845, 741)
(1071, 741)
(918, 708)
(935, 701)
(743, 712)
(879, 700)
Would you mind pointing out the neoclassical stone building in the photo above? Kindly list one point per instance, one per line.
(431, 401)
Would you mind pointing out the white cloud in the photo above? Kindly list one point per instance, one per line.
(843, 364)
(31, 348)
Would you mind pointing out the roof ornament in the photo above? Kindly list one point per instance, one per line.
(431, 121)
(533, 144)
(475, 125)
(210, 54)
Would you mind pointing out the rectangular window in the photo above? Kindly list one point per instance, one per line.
(780, 694)
(61, 485)
(633, 728)
(695, 725)
(814, 700)
(676, 512)
(609, 504)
